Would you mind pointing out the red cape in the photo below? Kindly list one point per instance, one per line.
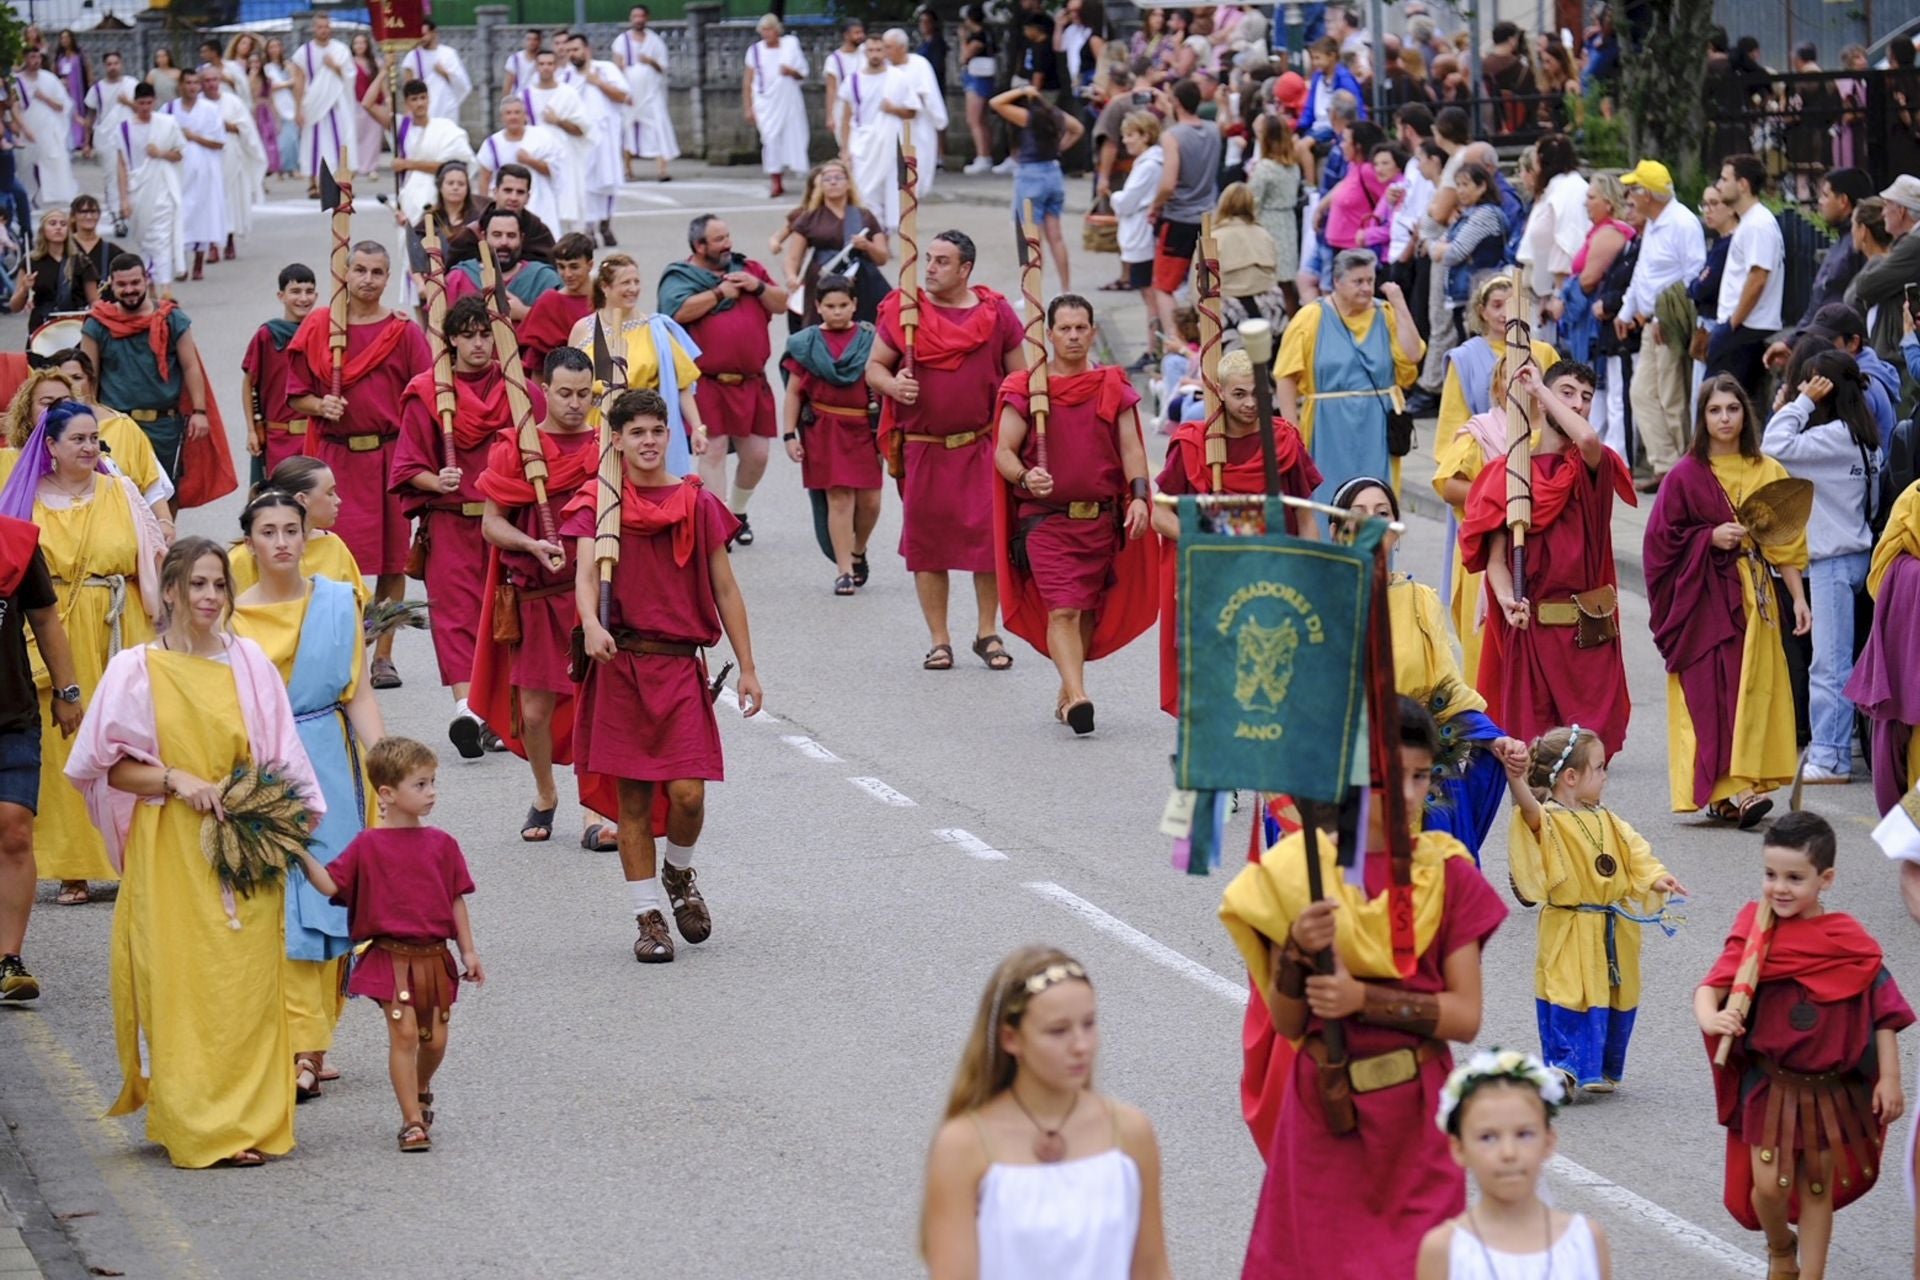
(1487, 503)
(313, 340)
(938, 343)
(1132, 603)
(19, 539)
(206, 464)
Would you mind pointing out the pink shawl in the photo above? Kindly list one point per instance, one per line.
(120, 726)
(1490, 429)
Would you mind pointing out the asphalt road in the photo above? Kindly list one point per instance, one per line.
(761, 1107)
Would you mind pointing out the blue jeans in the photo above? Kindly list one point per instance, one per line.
(1041, 183)
(1834, 580)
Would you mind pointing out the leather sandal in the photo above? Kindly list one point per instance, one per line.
(655, 944)
(844, 585)
(992, 650)
(690, 914)
(939, 658)
(414, 1137)
(306, 1079)
(426, 1108)
(596, 838)
(540, 820)
(860, 569)
(248, 1159)
(1783, 1263)
(1724, 811)
(74, 893)
(1752, 809)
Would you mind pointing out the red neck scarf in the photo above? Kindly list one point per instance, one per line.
(480, 407)
(122, 323)
(311, 341)
(505, 479)
(1246, 476)
(644, 515)
(18, 540)
(943, 341)
(1831, 955)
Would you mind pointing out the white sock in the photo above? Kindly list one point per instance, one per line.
(739, 499)
(679, 856)
(647, 896)
(460, 708)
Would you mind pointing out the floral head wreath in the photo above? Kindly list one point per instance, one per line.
(1498, 1064)
(1566, 755)
(1052, 976)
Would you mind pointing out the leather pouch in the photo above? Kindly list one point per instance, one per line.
(1335, 1090)
(1599, 623)
(506, 614)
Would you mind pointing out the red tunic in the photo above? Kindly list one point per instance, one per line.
(541, 658)
(734, 396)
(548, 324)
(372, 522)
(1540, 678)
(647, 717)
(840, 450)
(946, 519)
(266, 364)
(398, 882)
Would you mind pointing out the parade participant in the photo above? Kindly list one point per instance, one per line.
(439, 67)
(638, 338)
(203, 202)
(1021, 1183)
(704, 294)
(1813, 1030)
(373, 104)
(108, 102)
(603, 92)
(355, 431)
(423, 142)
(819, 231)
(1077, 574)
(512, 190)
(878, 101)
(46, 119)
(527, 282)
(195, 1000)
(533, 152)
(1554, 657)
(27, 599)
(968, 339)
(526, 694)
(150, 368)
(1344, 362)
(1497, 1112)
(929, 102)
(404, 886)
(103, 548)
(1886, 679)
(838, 65)
(829, 425)
(243, 160)
(523, 63)
(309, 628)
(553, 103)
(1309, 1221)
(771, 101)
(125, 445)
(1598, 881)
(278, 432)
(642, 57)
(1717, 619)
(57, 276)
(85, 209)
(645, 715)
(311, 483)
(456, 215)
(554, 313)
(149, 158)
(323, 94)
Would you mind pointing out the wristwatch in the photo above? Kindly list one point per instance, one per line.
(70, 694)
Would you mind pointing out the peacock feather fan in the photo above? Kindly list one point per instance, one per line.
(267, 824)
(384, 616)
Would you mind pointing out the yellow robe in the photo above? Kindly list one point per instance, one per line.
(131, 451)
(1423, 655)
(1558, 867)
(97, 539)
(1764, 750)
(326, 556)
(205, 998)
(643, 359)
(1296, 361)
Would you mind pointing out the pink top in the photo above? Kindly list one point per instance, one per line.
(400, 882)
(1352, 203)
(1580, 258)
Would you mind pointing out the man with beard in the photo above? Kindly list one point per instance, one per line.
(149, 364)
(323, 97)
(511, 191)
(203, 204)
(725, 302)
(422, 144)
(555, 312)
(354, 431)
(642, 55)
(603, 91)
(526, 281)
(879, 101)
(445, 496)
(278, 433)
(840, 64)
(440, 68)
(522, 62)
(148, 154)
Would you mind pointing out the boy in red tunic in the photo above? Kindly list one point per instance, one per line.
(278, 433)
(1554, 658)
(726, 303)
(404, 885)
(645, 714)
(447, 499)
(354, 433)
(935, 422)
(1076, 570)
(522, 687)
(1813, 1078)
(829, 426)
(555, 312)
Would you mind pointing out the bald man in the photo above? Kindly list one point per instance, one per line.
(929, 105)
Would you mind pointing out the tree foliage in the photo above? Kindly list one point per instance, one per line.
(1665, 84)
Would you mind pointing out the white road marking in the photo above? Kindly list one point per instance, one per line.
(1689, 1234)
(882, 792)
(728, 698)
(808, 747)
(970, 844)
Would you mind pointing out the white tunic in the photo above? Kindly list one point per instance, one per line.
(604, 169)
(520, 69)
(243, 162)
(873, 139)
(51, 123)
(649, 131)
(1573, 1257)
(930, 119)
(109, 102)
(548, 107)
(153, 188)
(328, 131)
(543, 144)
(233, 73)
(778, 108)
(203, 183)
(439, 141)
(836, 67)
(280, 92)
(446, 78)
(1076, 1220)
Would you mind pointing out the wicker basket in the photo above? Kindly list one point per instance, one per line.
(1100, 233)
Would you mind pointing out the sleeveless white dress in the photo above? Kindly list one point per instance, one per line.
(1076, 1220)
(1573, 1257)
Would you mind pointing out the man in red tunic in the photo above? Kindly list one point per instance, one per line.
(278, 433)
(555, 312)
(645, 716)
(1553, 657)
(1075, 569)
(447, 501)
(726, 303)
(936, 422)
(354, 432)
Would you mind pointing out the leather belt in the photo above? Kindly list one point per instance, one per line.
(728, 379)
(294, 427)
(471, 510)
(633, 642)
(958, 440)
(146, 415)
(1385, 1070)
(364, 444)
(841, 411)
(541, 593)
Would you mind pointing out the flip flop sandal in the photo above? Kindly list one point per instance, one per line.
(248, 1159)
(939, 658)
(1752, 809)
(1080, 717)
(992, 650)
(594, 838)
(426, 1109)
(78, 897)
(1724, 810)
(540, 820)
(844, 585)
(306, 1079)
(1117, 286)
(860, 569)
(414, 1137)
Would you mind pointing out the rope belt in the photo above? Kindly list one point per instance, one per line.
(1394, 393)
(116, 585)
(353, 747)
(1666, 922)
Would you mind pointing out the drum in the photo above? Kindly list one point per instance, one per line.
(57, 334)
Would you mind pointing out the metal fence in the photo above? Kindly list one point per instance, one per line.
(1805, 124)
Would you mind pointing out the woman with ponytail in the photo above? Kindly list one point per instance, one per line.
(312, 485)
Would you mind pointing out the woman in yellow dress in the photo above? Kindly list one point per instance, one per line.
(127, 449)
(103, 548)
(309, 628)
(634, 340)
(1717, 619)
(311, 482)
(197, 977)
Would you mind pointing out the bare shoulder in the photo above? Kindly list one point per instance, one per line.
(1137, 1136)
(1434, 1249)
(957, 1149)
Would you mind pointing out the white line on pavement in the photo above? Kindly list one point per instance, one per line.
(808, 747)
(1689, 1234)
(970, 844)
(882, 792)
(729, 698)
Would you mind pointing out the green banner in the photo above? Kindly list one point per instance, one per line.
(1272, 644)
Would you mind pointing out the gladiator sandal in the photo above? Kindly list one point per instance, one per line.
(690, 913)
(655, 944)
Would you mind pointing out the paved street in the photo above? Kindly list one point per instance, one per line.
(761, 1107)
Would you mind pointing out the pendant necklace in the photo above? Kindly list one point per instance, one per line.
(1049, 1145)
(1486, 1254)
(1603, 862)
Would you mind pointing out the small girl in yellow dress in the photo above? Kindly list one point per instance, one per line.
(1597, 882)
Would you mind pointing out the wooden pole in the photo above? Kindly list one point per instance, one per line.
(1747, 977)
(1038, 401)
(445, 405)
(1519, 456)
(910, 248)
(608, 495)
(342, 227)
(1207, 300)
(526, 432)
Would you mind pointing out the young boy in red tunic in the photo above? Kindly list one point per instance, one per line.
(645, 712)
(1813, 1079)
(1554, 658)
(404, 885)
(554, 313)
(1077, 573)
(829, 426)
(447, 499)
(278, 433)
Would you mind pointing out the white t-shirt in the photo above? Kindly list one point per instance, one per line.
(1756, 243)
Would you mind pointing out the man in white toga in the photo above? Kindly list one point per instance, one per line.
(929, 105)
(48, 119)
(243, 161)
(441, 70)
(770, 93)
(203, 184)
(555, 105)
(642, 55)
(603, 92)
(323, 91)
(424, 142)
(148, 150)
(879, 101)
(109, 101)
(532, 147)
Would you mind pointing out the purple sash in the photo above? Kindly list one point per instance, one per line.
(400, 140)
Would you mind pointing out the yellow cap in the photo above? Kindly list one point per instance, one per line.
(1650, 174)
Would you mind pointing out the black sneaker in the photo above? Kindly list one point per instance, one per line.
(745, 536)
(16, 984)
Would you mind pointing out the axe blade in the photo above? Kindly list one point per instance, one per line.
(329, 188)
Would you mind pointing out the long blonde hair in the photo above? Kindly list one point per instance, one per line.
(986, 1069)
(19, 415)
(816, 190)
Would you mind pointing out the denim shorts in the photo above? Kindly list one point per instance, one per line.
(1042, 184)
(982, 85)
(20, 769)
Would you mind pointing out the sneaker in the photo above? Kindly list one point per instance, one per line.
(466, 731)
(979, 164)
(1816, 776)
(16, 984)
(690, 914)
(1006, 166)
(745, 536)
(655, 944)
